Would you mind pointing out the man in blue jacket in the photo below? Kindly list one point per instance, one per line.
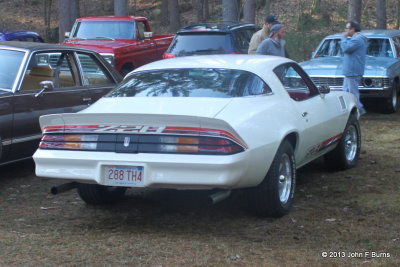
(354, 47)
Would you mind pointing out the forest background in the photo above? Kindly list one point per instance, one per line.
(307, 21)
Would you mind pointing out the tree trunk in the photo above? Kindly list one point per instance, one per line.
(74, 12)
(47, 18)
(249, 11)
(267, 7)
(174, 16)
(381, 14)
(120, 8)
(206, 10)
(200, 10)
(230, 10)
(64, 21)
(164, 13)
(354, 11)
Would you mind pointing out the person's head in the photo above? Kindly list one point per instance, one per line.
(277, 31)
(271, 20)
(352, 27)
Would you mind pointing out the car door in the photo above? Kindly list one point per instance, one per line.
(69, 95)
(6, 116)
(322, 116)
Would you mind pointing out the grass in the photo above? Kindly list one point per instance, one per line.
(354, 212)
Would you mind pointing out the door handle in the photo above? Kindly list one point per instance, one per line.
(304, 114)
(88, 100)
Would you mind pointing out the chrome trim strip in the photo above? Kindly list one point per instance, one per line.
(26, 139)
(6, 142)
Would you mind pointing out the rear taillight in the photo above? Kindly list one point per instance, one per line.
(168, 55)
(142, 139)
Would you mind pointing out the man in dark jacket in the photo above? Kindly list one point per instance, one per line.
(354, 47)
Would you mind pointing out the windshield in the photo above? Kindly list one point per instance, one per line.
(104, 29)
(201, 44)
(220, 83)
(9, 65)
(376, 48)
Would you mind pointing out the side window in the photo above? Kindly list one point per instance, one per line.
(93, 72)
(29, 39)
(296, 82)
(396, 42)
(54, 67)
(141, 28)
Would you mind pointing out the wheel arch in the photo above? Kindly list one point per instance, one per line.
(293, 139)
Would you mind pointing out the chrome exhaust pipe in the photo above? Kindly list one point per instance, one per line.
(219, 196)
(63, 187)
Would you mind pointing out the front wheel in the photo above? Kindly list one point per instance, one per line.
(390, 104)
(95, 194)
(274, 196)
(347, 152)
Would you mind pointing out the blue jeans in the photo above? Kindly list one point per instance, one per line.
(350, 84)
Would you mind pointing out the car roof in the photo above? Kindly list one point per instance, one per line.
(112, 18)
(372, 34)
(214, 26)
(258, 64)
(37, 46)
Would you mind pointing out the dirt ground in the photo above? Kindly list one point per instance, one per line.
(348, 218)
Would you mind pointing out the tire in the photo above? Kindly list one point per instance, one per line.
(95, 194)
(274, 196)
(347, 152)
(391, 104)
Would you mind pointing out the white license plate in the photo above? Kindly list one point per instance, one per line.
(124, 175)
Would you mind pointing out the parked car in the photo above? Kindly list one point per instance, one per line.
(23, 36)
(212, 38)
(38, 79)
(206, 122)
(380, 84)
(125, 42)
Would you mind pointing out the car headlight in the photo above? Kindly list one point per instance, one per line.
(373, 82)
(109, 58)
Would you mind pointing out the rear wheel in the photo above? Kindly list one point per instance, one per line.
(347, 152)
(274, 196)
(95, 194)
(391, 104)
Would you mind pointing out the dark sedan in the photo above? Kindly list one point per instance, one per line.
(38, 79)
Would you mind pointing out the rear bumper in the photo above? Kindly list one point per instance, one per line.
(160, 170)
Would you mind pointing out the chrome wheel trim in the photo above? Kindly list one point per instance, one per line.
(351, 143)
(285, 178)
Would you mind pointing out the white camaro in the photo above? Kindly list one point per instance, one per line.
(203, 122)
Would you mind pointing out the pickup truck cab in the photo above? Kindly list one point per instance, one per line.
(125, 42)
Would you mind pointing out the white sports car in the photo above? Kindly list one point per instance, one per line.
(205, 122)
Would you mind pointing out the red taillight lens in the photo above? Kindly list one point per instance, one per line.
(168, 55)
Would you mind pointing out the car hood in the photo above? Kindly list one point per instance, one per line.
(332, 66)
(98, 45)
(202, 107)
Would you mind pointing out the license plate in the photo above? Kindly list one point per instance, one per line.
(124, 176)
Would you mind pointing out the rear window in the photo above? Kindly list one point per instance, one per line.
(201, 44)
(219, 83)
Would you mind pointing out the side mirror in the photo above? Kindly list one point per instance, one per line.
(148, 35)
(324, 89)
(45, 86)
(67, 34)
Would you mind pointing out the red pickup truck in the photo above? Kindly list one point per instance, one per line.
(125, 42)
